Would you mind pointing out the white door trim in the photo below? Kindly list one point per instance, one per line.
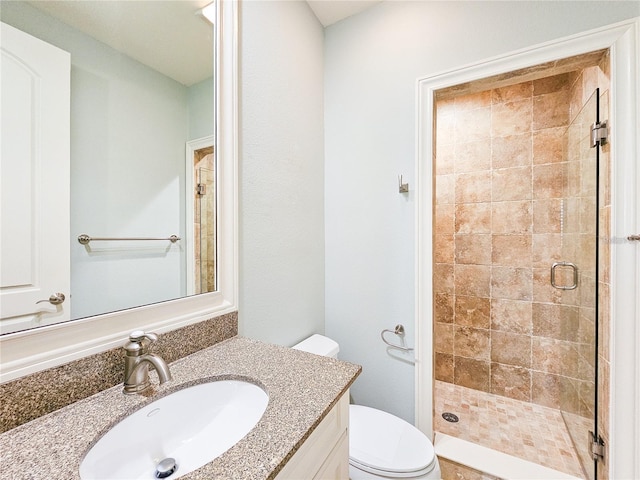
(192, 146)
(624, 43)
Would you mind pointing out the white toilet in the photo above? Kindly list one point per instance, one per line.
(381, 445)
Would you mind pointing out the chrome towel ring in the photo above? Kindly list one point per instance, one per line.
(399, 330)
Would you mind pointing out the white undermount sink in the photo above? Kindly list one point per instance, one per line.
(191, 426)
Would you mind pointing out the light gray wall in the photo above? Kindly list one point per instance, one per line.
(372, 61)
(201, 109)
(281, 172)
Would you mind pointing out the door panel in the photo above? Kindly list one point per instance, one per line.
(34, 172)
(579, 246)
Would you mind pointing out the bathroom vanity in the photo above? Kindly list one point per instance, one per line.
(325, 454)
(302, 434)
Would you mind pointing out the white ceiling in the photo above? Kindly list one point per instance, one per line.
(168, 36)
(332, 11)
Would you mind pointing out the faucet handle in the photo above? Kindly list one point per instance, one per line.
(138, 336)
(139, 342)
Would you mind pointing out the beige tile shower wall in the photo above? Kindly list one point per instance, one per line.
(500, 179)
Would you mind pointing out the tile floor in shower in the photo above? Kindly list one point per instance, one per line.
(525, 430)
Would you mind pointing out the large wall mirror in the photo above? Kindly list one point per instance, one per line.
(141, 87)
(145, 221)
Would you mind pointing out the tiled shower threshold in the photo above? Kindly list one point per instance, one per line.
(506, 438)
(493, 464)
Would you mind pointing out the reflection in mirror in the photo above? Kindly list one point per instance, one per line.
(204, 239)
(140, 88)
(201, 171)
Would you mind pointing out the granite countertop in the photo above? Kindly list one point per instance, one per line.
(302, 388)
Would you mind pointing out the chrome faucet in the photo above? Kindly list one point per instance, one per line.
(137, 361)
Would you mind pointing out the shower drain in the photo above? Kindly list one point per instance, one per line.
(450, 417)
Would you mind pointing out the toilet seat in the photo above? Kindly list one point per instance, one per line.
(385, 445)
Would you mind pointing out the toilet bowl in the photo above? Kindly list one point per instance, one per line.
(381, 445)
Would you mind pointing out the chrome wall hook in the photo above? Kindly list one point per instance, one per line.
(402, 187)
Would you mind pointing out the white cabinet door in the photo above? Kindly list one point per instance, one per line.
(325, 454)
(34, 176)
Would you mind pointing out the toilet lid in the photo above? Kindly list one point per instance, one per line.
(384, 442)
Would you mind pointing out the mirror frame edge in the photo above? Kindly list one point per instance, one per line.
(30, 351)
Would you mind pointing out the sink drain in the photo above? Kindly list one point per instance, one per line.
(166, 467)
(450, 417)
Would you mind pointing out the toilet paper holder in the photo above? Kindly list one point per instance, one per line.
(398, 330)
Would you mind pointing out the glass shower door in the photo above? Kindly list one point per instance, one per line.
(575, 278)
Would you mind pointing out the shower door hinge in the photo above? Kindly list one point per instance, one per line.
(201, 189)
(596, 446)
(599, 134)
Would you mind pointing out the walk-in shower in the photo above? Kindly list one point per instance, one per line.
(520, 278)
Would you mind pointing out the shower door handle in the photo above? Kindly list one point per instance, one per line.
(574, 285)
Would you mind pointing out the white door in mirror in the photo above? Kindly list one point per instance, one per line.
(35, 266)
(178, 433)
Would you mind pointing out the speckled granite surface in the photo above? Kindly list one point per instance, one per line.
(302, 388)
(30, 397)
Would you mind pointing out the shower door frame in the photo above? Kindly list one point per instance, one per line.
(622, 39)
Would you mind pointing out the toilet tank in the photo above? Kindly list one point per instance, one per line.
(320, 345)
